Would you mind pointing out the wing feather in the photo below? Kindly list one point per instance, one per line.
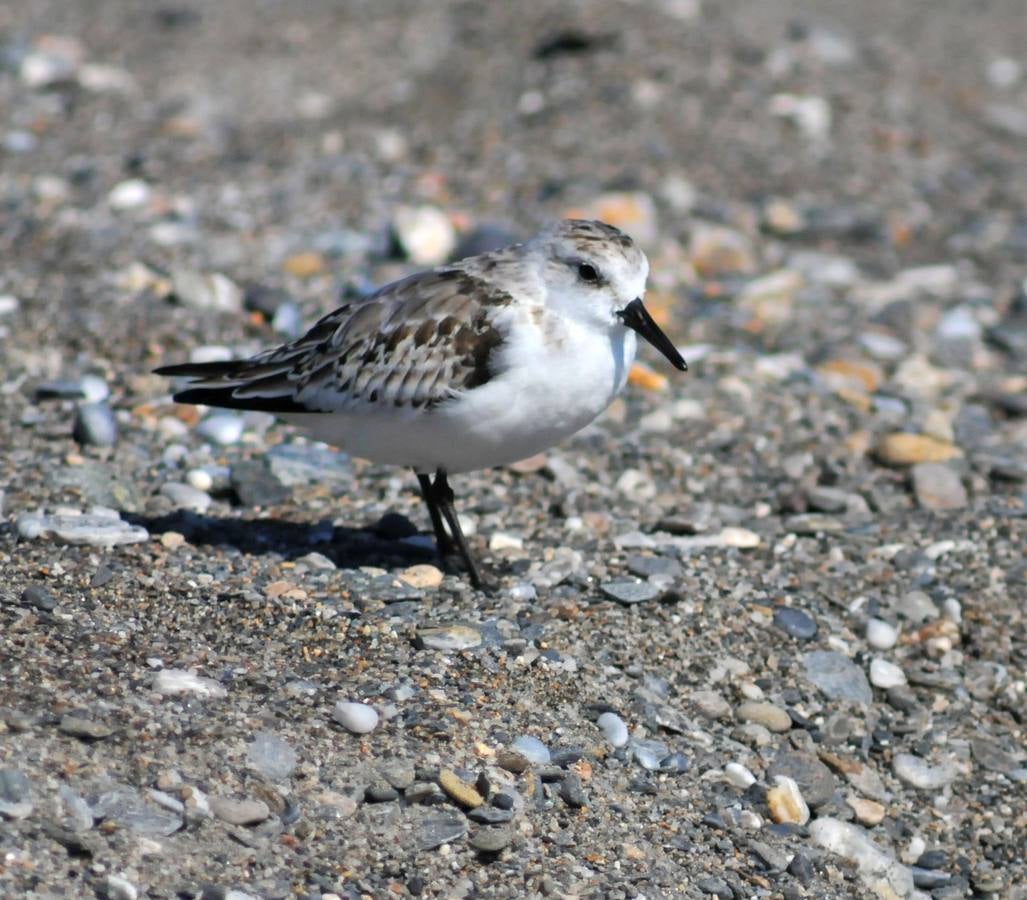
(412, 344)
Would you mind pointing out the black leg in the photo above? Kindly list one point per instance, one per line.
(444, 498)
(443, 542)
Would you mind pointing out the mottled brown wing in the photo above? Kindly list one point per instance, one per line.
(412, 344)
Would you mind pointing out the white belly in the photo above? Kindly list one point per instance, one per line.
(545, 394)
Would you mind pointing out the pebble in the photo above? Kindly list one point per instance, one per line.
(490, 815)
(710, 704)
(132, 193)
(532, 749)
(885, 674)
(185, 496)
(786, 802)
(880, 871)
(837, 676)
(171, 682)
(92, 529)
(358, 718)
(83, 727)
(221, 428)
(881, 635)
(423, 577)
(630, 592)
(449, 638)
(298, 464)
(206, 291)
(438, 831)
(39, 597)
(917, 773)
(716, 250)
(239, 812)
(614, 728)
(424, 234)
(738, 775)
(254, 484)
(795, 623)
(649, 754)
(938, 487)
(902, 449)
(916, 607)
(15, 794)
(95, 425)
(116, 887)
(815, 780)
(572, 793)
(272, 756)
(867, 812)
(491, 840)
(467, 795)
(771, 717)
(199, 479)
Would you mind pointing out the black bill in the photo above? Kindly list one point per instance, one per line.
(637, 318)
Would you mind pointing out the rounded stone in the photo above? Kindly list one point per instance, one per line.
(532, 749)
(881, 635)
(886, 675)
(795, 623)
(239, 812)
(358, 718)
(459, 790)
(614, 728)
(95, 425)
(771, 717)
(492, 839)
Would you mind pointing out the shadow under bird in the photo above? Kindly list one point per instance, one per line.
(479, 363)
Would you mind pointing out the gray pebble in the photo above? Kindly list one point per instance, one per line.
(928, 879)
(490, 815)
(380, 792)
(271, 755)
(938, 487)
(771, 717)
(648, 566)
(630, 592)
(15, 794)
(185, 496)
(795, 623)
(491, 840)
(649, 754)
(82, 727)
(816, 781)
(438, 831)
(572, 793)
(95, 425)
(39, 597)
(239, 812)
(255, 484)
(450, 638)
(837, 676)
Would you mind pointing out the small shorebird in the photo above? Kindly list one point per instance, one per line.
(479, 363)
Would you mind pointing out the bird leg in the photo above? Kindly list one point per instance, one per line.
(443, 542)
(438, 495)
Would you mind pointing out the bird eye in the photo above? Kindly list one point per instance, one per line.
(589, 273)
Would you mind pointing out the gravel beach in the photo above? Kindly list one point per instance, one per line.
(757, 632)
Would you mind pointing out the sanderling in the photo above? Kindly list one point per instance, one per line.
(480, 363)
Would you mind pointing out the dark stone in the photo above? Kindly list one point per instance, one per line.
(815, 780)
(572, 793)
(801, 868)
(265, 300)
(490, 815)
(932, 859)
(795, 623)
(381, 793)
(647, 566)
(39, 597)
(254, 484)
(928, 879)
(394, 527)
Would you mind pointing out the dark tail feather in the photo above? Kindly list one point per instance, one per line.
(202, 370)
(224, 398)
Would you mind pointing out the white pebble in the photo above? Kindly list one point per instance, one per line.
(884, 674)
(94, 388)
(425, 233)
(359, 718)
(200, 479)
(877, 868)
(502, 540)
(881, 635)
(614, 729)
(120, 888)
(9, 304)
(917, 773)
(953, 610)
(738, 775)
(178, 681)
(130, 194)
(185, 496)
(221, 428)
